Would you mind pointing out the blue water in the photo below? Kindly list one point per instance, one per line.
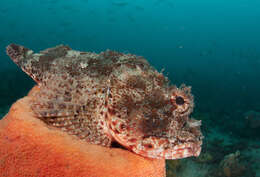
(214, 46)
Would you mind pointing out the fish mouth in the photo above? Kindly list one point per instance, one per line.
(180, 151)
(160, 148)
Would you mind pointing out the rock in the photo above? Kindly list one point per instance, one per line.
(252, 119)
(172, 167)
(231, 165)
(30, 148)
(205, 158)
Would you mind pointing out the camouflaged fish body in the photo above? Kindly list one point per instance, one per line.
(109, 97)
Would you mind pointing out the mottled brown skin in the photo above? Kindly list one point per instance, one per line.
(109, 97)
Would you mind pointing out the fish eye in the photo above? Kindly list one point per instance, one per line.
(179, 100)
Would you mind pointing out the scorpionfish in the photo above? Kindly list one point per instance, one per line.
(111, 97)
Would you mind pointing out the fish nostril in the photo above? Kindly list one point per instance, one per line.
(179, 100)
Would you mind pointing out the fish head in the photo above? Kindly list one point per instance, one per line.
(159, 125)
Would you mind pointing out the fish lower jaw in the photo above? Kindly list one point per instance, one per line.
(178, 152)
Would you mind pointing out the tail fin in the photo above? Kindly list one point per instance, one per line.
(36, 65)
(23, 57)
(17, 53)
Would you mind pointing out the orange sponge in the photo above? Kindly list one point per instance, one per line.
(29, 148)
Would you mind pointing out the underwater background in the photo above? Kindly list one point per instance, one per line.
(213, 46)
